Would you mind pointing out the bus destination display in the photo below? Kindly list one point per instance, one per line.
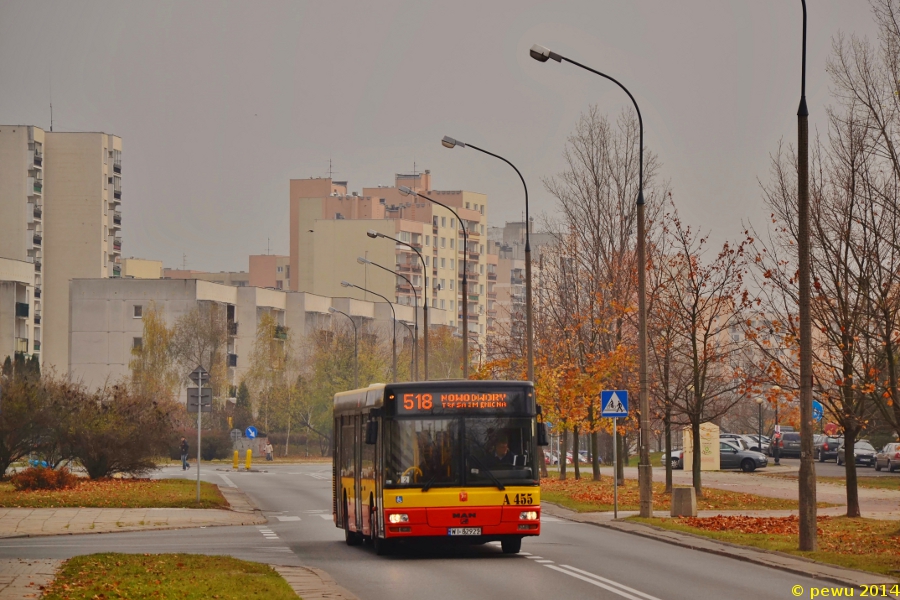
(450, 402)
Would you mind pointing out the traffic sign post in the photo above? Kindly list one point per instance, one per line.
(614, 403)
(817, 410)
(199, 376)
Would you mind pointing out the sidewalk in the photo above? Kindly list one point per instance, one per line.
(22, 579)
(775, 560)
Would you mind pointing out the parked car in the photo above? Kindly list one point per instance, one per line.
(753, 442)
(677, 459)
(888, 458)
(789, 445)
(826, 447)
(551, 458)
(863, 453)
(730, 457)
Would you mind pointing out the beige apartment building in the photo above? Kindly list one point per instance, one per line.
(232, 278)
(82, 192)
(328, 234)
(22, 263)
(141, 268)
(107, 319)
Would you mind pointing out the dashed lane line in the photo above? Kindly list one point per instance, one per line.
(602, 582)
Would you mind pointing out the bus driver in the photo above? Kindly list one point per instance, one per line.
(502, 456)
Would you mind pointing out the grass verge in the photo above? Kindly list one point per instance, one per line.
(865, 544)
(183, 576)
(585, 495)
(118, 493)
(878, 483)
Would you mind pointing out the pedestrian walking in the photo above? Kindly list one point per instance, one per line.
(184, 454)
(269, 450)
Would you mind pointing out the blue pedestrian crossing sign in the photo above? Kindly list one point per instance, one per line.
(818, 410)
(614, 403)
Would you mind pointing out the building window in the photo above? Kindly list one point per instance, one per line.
(451, 242)
(443, 242)
(280, 269)
(467, 205)
(137, 343)
(427, 240)
(434, 222)
(426, 260)
(482, 251)
(443, 263)
(443, 284)
(138, 311)
(482, 212)
(452, 223)
(481, 289)
(443, 221)
(451, 304)
(451, 284)
(442, 305)
(452, 264)
(482, 267)
(482, 230)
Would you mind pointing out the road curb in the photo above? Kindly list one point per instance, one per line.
(239, 501)
(313, 584)
(796, 565)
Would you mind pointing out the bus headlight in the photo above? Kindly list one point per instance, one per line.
(528, 515)
(398, 518)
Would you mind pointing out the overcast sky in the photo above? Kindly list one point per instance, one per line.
(219, 104)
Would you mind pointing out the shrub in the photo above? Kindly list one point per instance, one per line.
(215, 444)
(42, 478)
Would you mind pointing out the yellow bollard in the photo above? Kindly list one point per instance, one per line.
(249, 458)
(235, 464)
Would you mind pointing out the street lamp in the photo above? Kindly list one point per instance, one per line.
(465, 281)
(393, 326)
(415, 371)
(759, 402)
(333, 310)
(645, 470)
(375, 235)
(449, 142)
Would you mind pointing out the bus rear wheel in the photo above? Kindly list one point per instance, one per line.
(511, 545)
(352, 538)
(382, 546)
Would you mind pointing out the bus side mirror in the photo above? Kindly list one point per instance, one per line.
(542, 438)
(371, 432)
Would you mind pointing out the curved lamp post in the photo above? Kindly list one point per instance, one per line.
(465, 281)
(375, 235)
(333, 310)
(412, 358)
(645, 470)
(393, 326)
(449, 142)
(415, 371)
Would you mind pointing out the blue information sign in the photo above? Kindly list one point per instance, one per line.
(251, 432)
(614, 403)
(818, 410)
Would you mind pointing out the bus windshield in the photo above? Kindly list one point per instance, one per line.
(429, 452)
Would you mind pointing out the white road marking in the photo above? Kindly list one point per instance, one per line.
(227, 481)
(533, 557)
(287, 518)
(276, 549)
(315, 511)
(543, 561)
(607, 584)
(327, 517)
(550, 519)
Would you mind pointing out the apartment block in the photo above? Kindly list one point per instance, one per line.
(329, 233)
(22, 262)
(270, 271)
(82, 193)
(141, 268)
(232, 278)
(107, 319)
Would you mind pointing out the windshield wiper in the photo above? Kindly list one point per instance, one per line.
(496, 481)
(429, 483)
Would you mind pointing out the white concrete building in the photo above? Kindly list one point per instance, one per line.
(107, 321)
(17, 317)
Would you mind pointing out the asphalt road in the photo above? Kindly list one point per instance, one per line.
(831, 469)
(569, 560)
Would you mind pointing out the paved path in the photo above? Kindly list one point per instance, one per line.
(25, 578)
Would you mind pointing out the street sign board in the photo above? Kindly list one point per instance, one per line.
(614, 403)
(818, 410)
(200, 376)
(193, 400)
(235, 435)
(251, 432)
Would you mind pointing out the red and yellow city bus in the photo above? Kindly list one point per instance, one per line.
(439, 460)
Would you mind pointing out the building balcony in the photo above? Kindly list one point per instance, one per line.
(37, 292)
(38, 159)
(492, 295)
(37, 319)
(117, 218)
(492, 276)
(232, 360)
(37, 239)
(117, 244)
(117, 168)
(37, 345)
(21, 345)
(38, 188)
(37, 266)
(38, 212)
(232, 328)
(517, 281)
(22, 310)
(280, 332)
(117, 194)
(116, 271)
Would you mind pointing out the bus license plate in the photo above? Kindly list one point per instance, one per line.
(464, 531)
